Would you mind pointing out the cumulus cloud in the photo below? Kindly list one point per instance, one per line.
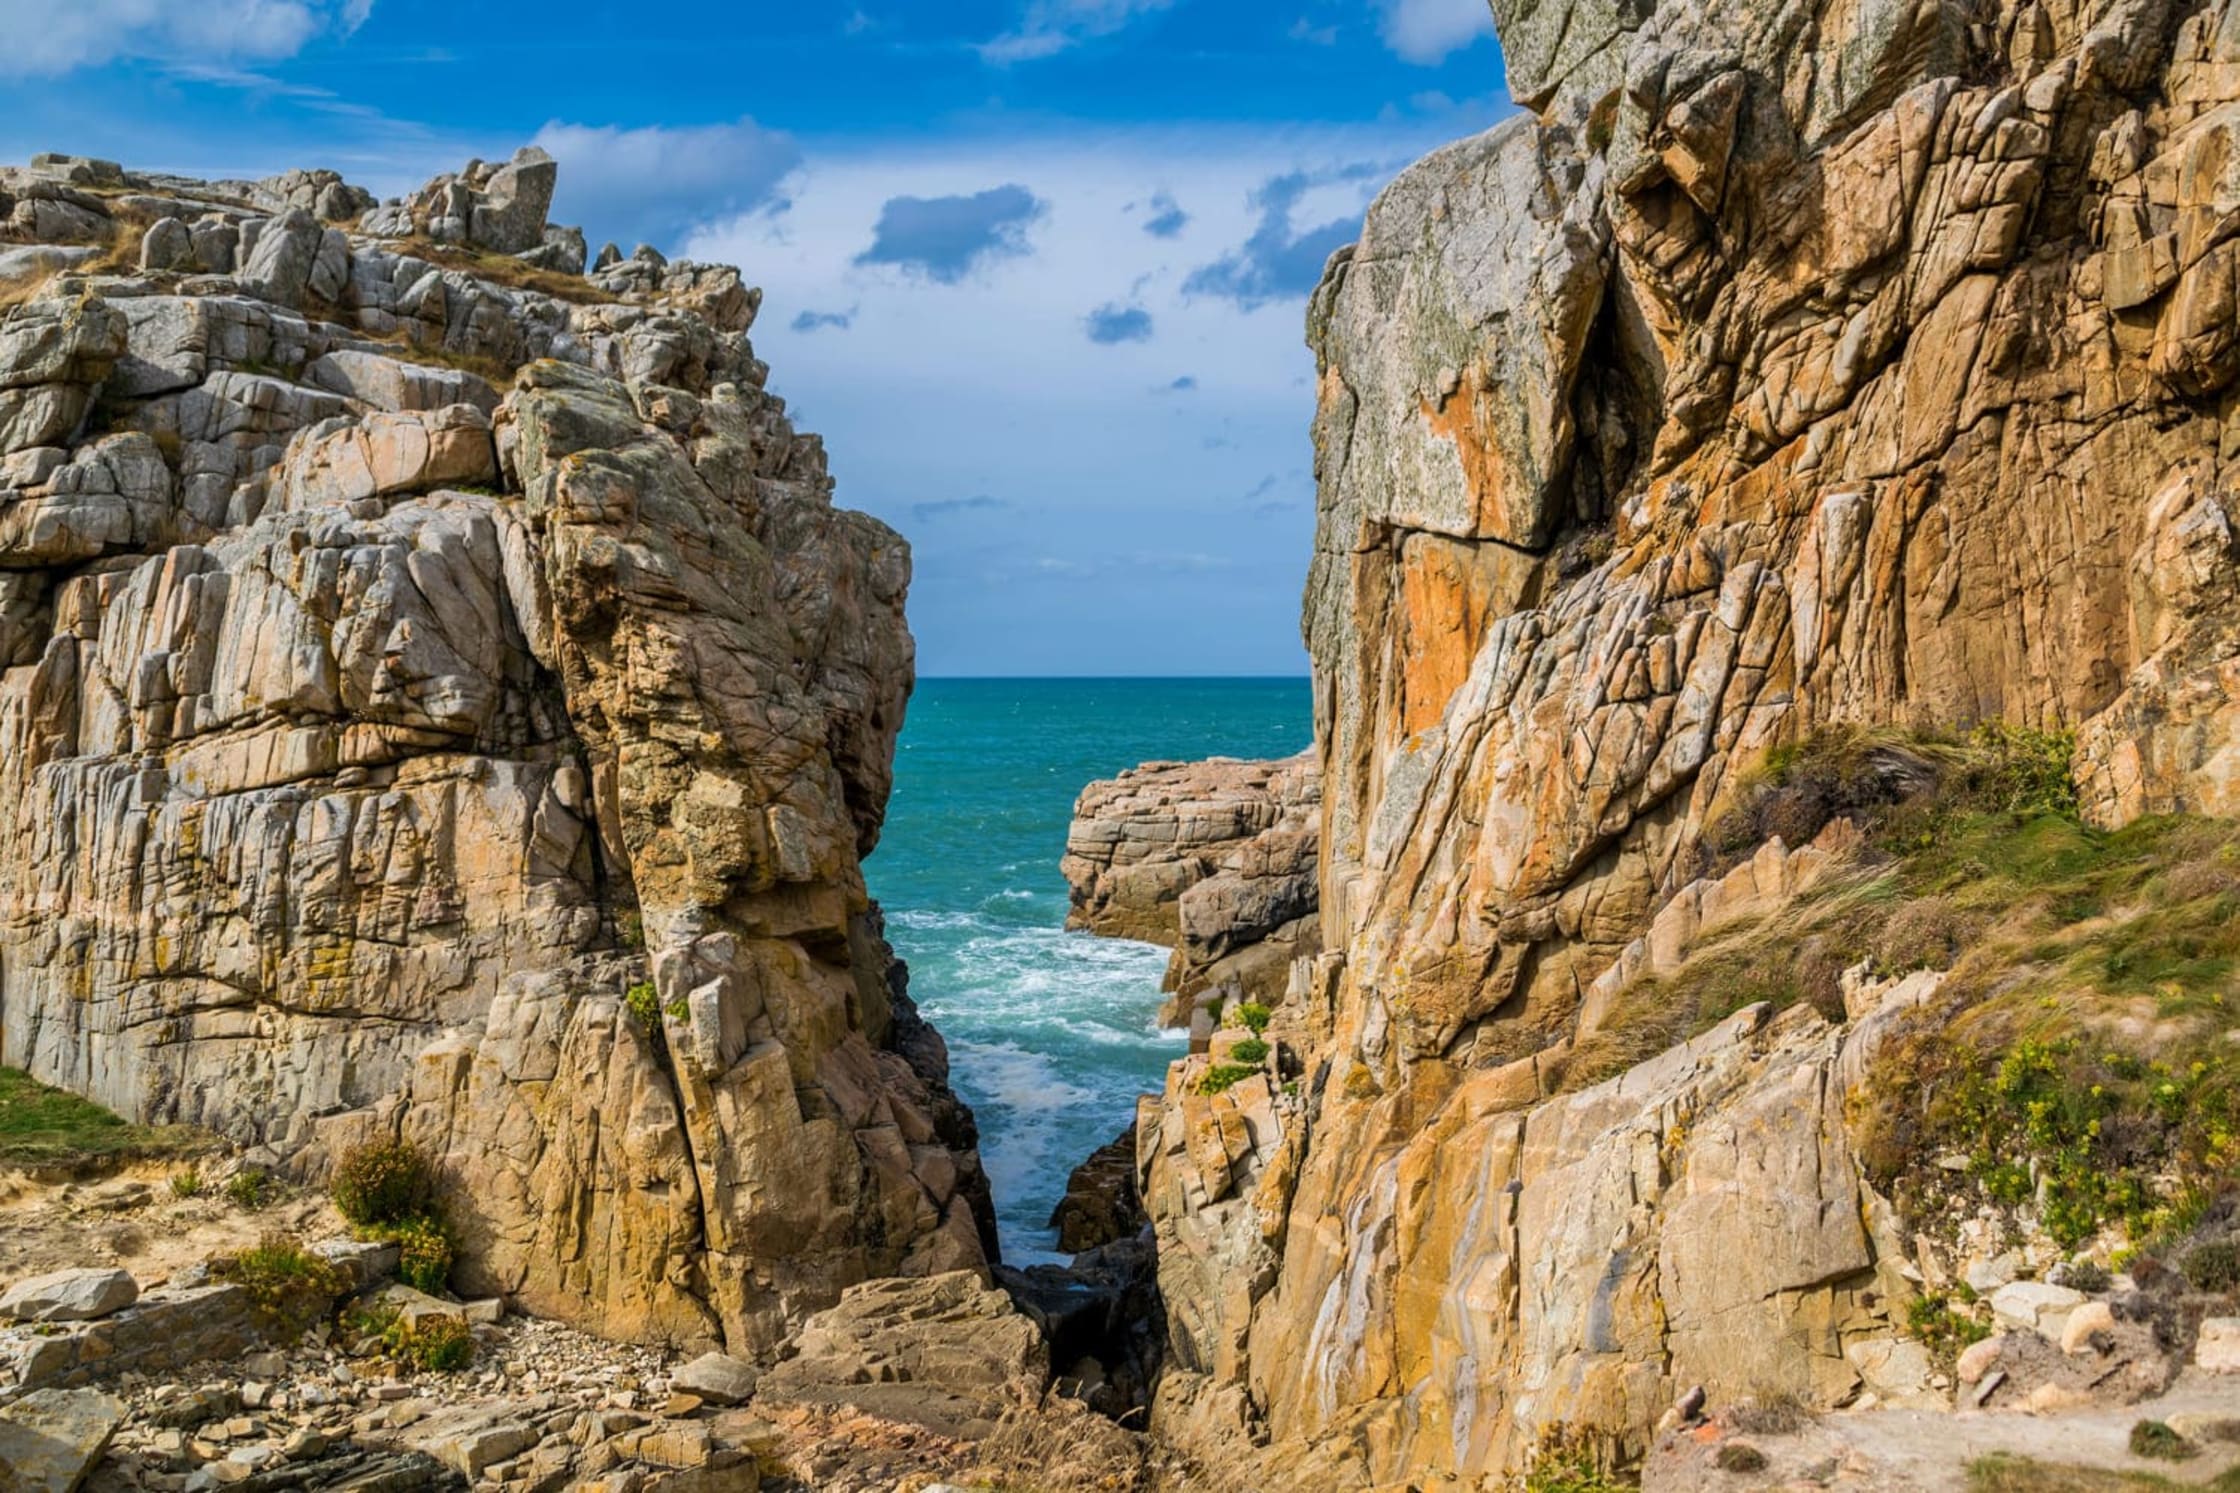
(946, 238)
(1110, 325)
(1280, 261)
(817, 321)
(654, 184)
(1429, 31)
(1052, 26)
(1167, 217)
(945, 507)
(48, 39)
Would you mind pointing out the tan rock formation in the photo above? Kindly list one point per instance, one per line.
(1214, 859)
(369, 736)
(1779, 367)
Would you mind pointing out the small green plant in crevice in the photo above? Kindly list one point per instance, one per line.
(1254, 1017)
(249, 1189)
(643, 1003)
(1942, 1328)
(630, 930)
(289, 1287)
(2153, 1438)
(1222, 1077)
(187, 1183)
(1251, 1050)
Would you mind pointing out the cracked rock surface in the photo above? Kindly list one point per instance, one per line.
(414, 647)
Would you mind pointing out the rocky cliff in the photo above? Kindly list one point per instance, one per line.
(1214, 859)
(1781, 367)
(441, 697)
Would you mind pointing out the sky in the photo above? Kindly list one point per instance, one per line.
(1037, 270)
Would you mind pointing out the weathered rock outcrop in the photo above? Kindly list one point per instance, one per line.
(442, 698)
(1214, 859)
(1781, 366)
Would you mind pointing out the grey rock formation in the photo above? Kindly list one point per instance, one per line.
(49, 1441)
(1214, 859)
(1781, 367)
(949, 1352)
(69, 1296)
(405, 667)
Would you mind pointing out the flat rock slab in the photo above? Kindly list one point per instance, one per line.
(718, 1379)
(50, 1439)
(70, 1296)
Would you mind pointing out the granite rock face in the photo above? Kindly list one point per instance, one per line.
(404, 666)
(1780, 366)
(1214, 859)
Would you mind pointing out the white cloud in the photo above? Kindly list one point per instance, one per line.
(1429, 31)
(654, 184)
(1051, 26)
(49, 38)
(973, 416)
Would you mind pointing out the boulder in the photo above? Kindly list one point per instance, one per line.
(2217, 1350)
(717, 1378)
(1214, 859)
(70, 1296)
(51, 1438)
(2035, 1306)
(167, 245)
(949, 1352)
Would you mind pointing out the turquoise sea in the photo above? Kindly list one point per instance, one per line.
(1051, 1034)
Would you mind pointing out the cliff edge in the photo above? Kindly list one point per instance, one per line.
(1782, 370)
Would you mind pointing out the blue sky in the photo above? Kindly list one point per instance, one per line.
(1036, 269)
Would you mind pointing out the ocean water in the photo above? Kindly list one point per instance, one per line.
(1051, 1034)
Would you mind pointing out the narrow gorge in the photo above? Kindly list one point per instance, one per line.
(1741, 983)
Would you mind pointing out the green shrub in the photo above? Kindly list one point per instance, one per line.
(1222, 1077)
(1251, 1050)
(2151, 1438)
(248, 1189)
(187, 1183)
(383, 1182)
(424, 1252)
(289, 1287)
(439, 1345)
(643, 1003)
(1255, 1016)
(2214, 1267)
(1942, 1328)
(2086, 1276)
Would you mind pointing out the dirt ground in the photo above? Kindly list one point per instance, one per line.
(135, 1220)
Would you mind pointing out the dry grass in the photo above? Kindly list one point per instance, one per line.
(502, 269)
(1057, 1445)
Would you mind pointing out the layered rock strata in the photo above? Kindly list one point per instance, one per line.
(1776, 367)
(442, 699)
(1214, 859)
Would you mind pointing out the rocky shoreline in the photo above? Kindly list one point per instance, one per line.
(1215, 860)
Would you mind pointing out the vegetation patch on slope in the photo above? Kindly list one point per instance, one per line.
(2079, 1069)
(46, 1127)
